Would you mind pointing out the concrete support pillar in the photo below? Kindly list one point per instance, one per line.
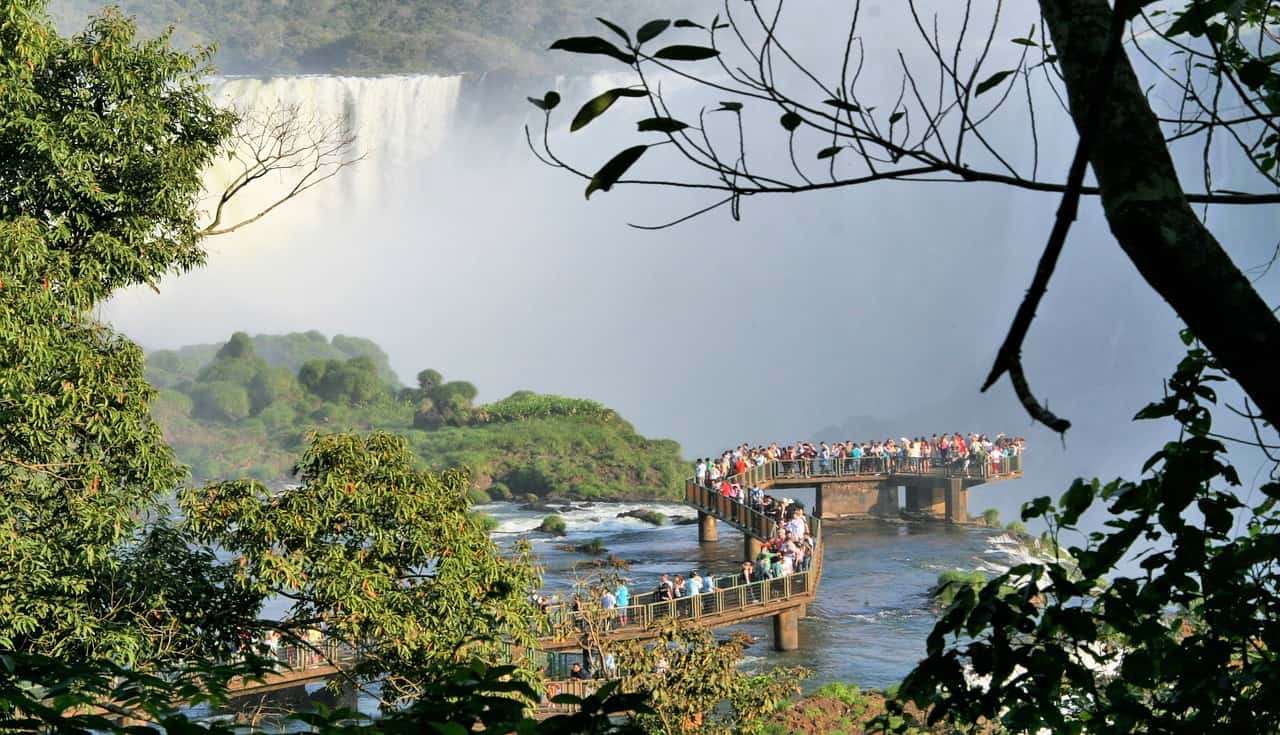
(750, 547)
(850, 498)
(915, 499)
(786, 630)
(707, 530)
(887, 501)
(957, 501)
(929, 501)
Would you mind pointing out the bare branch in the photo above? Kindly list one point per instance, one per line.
(286, 143)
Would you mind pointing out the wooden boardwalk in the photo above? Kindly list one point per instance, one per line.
(734, 600)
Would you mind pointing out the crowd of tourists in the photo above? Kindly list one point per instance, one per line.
(919, 454)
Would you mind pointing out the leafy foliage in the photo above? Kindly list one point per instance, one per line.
(384, 554)
(103, 138)
(686, 674)
(953, 583)
(1186, 645)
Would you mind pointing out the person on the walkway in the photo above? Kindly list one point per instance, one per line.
(700, 472)
(666, 589)
(608, 603)
(623, 596)
(798, 526)
(695, 584)
(577, 672)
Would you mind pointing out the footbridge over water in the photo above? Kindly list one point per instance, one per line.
(734, 600)
(870, 486)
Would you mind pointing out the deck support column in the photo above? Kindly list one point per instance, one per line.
(707, 530)
(786, 630)
(751, 547)
(957, 502)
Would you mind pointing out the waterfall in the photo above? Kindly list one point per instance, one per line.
(401, 124)
(396, 121)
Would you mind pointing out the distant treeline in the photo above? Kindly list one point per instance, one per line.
(244, 408)
(370, 36)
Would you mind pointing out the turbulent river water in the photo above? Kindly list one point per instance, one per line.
(872, 615)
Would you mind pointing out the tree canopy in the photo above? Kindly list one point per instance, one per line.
(103, 138)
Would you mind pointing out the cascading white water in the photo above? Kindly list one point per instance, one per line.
(397, 121)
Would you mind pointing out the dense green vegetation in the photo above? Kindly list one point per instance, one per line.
(246, 407)
(364, 36)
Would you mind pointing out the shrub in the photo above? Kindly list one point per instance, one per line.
(850, 694)
(219, 401)
(477, 496)
(594, 546)
(271, 385)
(240, 345)
(1016, 528)
(552, 524)
(991, 517)
(499, 491)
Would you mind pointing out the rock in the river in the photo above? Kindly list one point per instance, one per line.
(647, 515)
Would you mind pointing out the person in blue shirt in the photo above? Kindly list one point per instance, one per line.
(623, 596)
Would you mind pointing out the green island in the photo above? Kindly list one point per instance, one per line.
(244, 408)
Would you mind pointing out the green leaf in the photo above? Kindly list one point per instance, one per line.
(548, 102)
(1271, 490)
(1075, 501)
(601, 102)
(682, 52)
(1254, 73)
(616, 29)
(650, 30)
(1024, 42)
(791, 120)
(686, 23)
(661, 125)
(829, 152)
(609, 173)
(895, 117)
(992, 81)
(592, 45)
(843, 105)
(729, 107)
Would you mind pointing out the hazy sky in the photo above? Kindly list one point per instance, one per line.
(452, 248)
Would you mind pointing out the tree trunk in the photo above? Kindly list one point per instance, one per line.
(1149, 214)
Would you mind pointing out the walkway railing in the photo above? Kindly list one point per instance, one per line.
(790, 469)
(738, 597)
